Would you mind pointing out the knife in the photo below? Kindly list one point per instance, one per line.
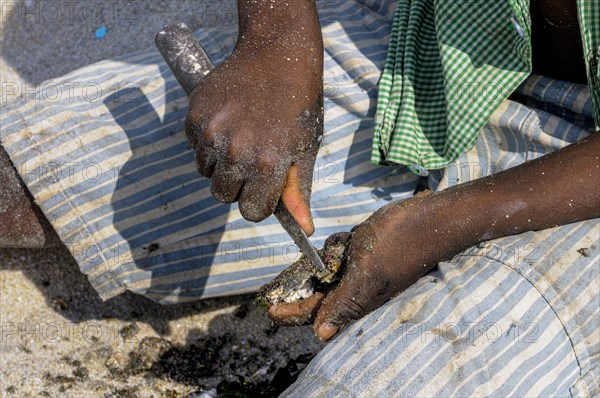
(189, 64)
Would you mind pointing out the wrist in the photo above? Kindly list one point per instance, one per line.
(469, 214)
(281, 23)
(436, 227)
(412, 236)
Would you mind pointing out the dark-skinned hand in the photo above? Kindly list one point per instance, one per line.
(256, 121)
(404, 240)
(381, 261)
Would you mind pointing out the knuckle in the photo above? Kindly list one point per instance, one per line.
(209, 129)
(237, 147)
(266, 161)
(208, 136)
(348, 309)
(216, 123)
(234, 153)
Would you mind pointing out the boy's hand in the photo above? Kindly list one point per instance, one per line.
(385, 256)
(256, 121)
(403, 240)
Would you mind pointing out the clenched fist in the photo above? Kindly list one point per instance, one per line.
(256, 121)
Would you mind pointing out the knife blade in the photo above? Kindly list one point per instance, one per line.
(189, 64)
(290, 225)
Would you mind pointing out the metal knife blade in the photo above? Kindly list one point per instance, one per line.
(293, 229)
(189, 63)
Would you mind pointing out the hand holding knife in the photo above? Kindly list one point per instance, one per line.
(189, 63)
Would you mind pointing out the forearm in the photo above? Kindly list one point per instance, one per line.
(282, 23)
(556, 189)
(278, 36)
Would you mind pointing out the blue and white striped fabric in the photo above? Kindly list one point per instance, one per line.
(104, 154)
(108, 163)
(513, 317)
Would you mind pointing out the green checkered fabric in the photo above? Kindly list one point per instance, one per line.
(450, 64)
(589, 20)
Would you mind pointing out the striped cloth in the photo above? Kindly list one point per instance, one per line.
(109, 165)
(513, 317)
(450, 64)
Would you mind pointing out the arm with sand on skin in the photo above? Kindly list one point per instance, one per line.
(404, 240)
(256, 120)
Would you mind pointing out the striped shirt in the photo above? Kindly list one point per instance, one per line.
(450, 64)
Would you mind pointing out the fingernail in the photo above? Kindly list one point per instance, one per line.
(326, 331)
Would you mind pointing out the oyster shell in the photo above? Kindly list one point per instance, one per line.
(301, 279)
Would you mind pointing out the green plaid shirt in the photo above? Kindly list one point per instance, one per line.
(450, 64)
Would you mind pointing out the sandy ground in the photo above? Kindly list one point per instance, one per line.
(58, 339)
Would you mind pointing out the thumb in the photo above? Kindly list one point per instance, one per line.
(354, 297)
(297, 190)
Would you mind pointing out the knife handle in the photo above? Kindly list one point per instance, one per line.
(183, 54)
(189, 64)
